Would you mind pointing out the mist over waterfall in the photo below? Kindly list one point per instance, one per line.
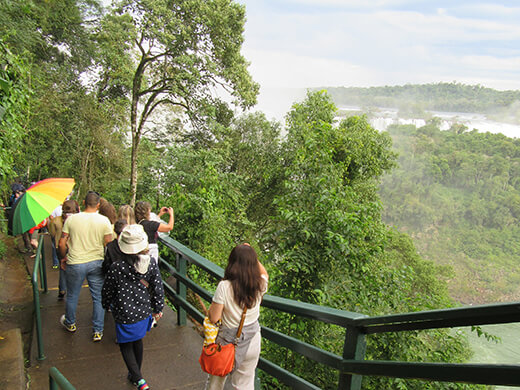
(275, 103)
(472, 121)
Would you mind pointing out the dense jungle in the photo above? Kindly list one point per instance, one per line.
(121, 99)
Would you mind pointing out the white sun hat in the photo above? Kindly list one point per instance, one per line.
(133, 239)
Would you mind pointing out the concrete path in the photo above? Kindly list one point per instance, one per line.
(11, 359)
(170, 356)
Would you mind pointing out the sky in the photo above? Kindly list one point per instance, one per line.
(317, 43)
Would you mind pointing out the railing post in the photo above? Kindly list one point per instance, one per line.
(58, 381)
(39, 336)
(52, 384)
(353, 349)
(181, 288)
(43, 262)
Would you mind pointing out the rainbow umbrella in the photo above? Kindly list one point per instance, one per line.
(38, 202)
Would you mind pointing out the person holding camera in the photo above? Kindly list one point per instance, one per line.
(152, 227)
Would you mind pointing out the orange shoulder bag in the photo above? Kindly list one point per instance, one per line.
(217, 359)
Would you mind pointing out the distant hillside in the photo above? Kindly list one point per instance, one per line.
(456, 193)
(453, 97)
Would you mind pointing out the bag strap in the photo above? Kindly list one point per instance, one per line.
(239, 331)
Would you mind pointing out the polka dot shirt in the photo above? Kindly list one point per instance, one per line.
(130, 300)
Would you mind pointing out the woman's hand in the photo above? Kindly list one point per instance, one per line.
(157, 316)
(165, 228)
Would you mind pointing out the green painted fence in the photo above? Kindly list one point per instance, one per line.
(39, 270)
(352, 365)
(58, 381)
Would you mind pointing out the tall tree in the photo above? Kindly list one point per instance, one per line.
(44, 49)
(15, 94)
(182, 50)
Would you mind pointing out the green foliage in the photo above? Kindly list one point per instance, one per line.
(412, 99)
(67, 131)
(169, 59)
(3, 249)
(222, 186)
(209, 203)
(307, 201)
(328, 246)
(456, 193)
(329, 209)
(15, 96)
(52, 32)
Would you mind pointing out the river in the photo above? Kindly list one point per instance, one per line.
(388, 116)
(507, 351)
(275, 103)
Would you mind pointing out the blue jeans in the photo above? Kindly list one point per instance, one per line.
(75, 275)
(55, 260)
(62, 283)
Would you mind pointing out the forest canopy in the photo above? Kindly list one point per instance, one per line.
(80, 91)
(456, 193)
(452, 97)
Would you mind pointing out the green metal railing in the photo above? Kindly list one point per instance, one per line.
(352, 365)
(39, 268)
(58, 381)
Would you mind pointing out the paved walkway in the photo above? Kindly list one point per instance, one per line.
(170, 356)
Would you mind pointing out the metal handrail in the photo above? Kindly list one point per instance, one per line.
(39, 268)
(58, 381)
(352, 364)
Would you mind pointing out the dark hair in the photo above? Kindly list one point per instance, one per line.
(142, 211)
(133, 258)
(92, 199)
(108, 210)
(70, 207)
(243, 272)
(119, 225)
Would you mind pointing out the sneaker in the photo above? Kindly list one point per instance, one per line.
(70, 328)
(55, 266)
(97, 336)
(142, 385)
(61, 295)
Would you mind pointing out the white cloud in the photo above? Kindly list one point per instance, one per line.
(488, 62)
(362, 45)
(287, 70)
(372, 4)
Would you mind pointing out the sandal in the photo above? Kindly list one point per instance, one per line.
(142, 385)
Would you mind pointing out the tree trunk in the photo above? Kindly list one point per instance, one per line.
(133, 173)
(135, 129)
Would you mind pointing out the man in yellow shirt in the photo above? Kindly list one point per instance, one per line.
(85, 236)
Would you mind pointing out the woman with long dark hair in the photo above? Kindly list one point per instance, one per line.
(244, 284)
